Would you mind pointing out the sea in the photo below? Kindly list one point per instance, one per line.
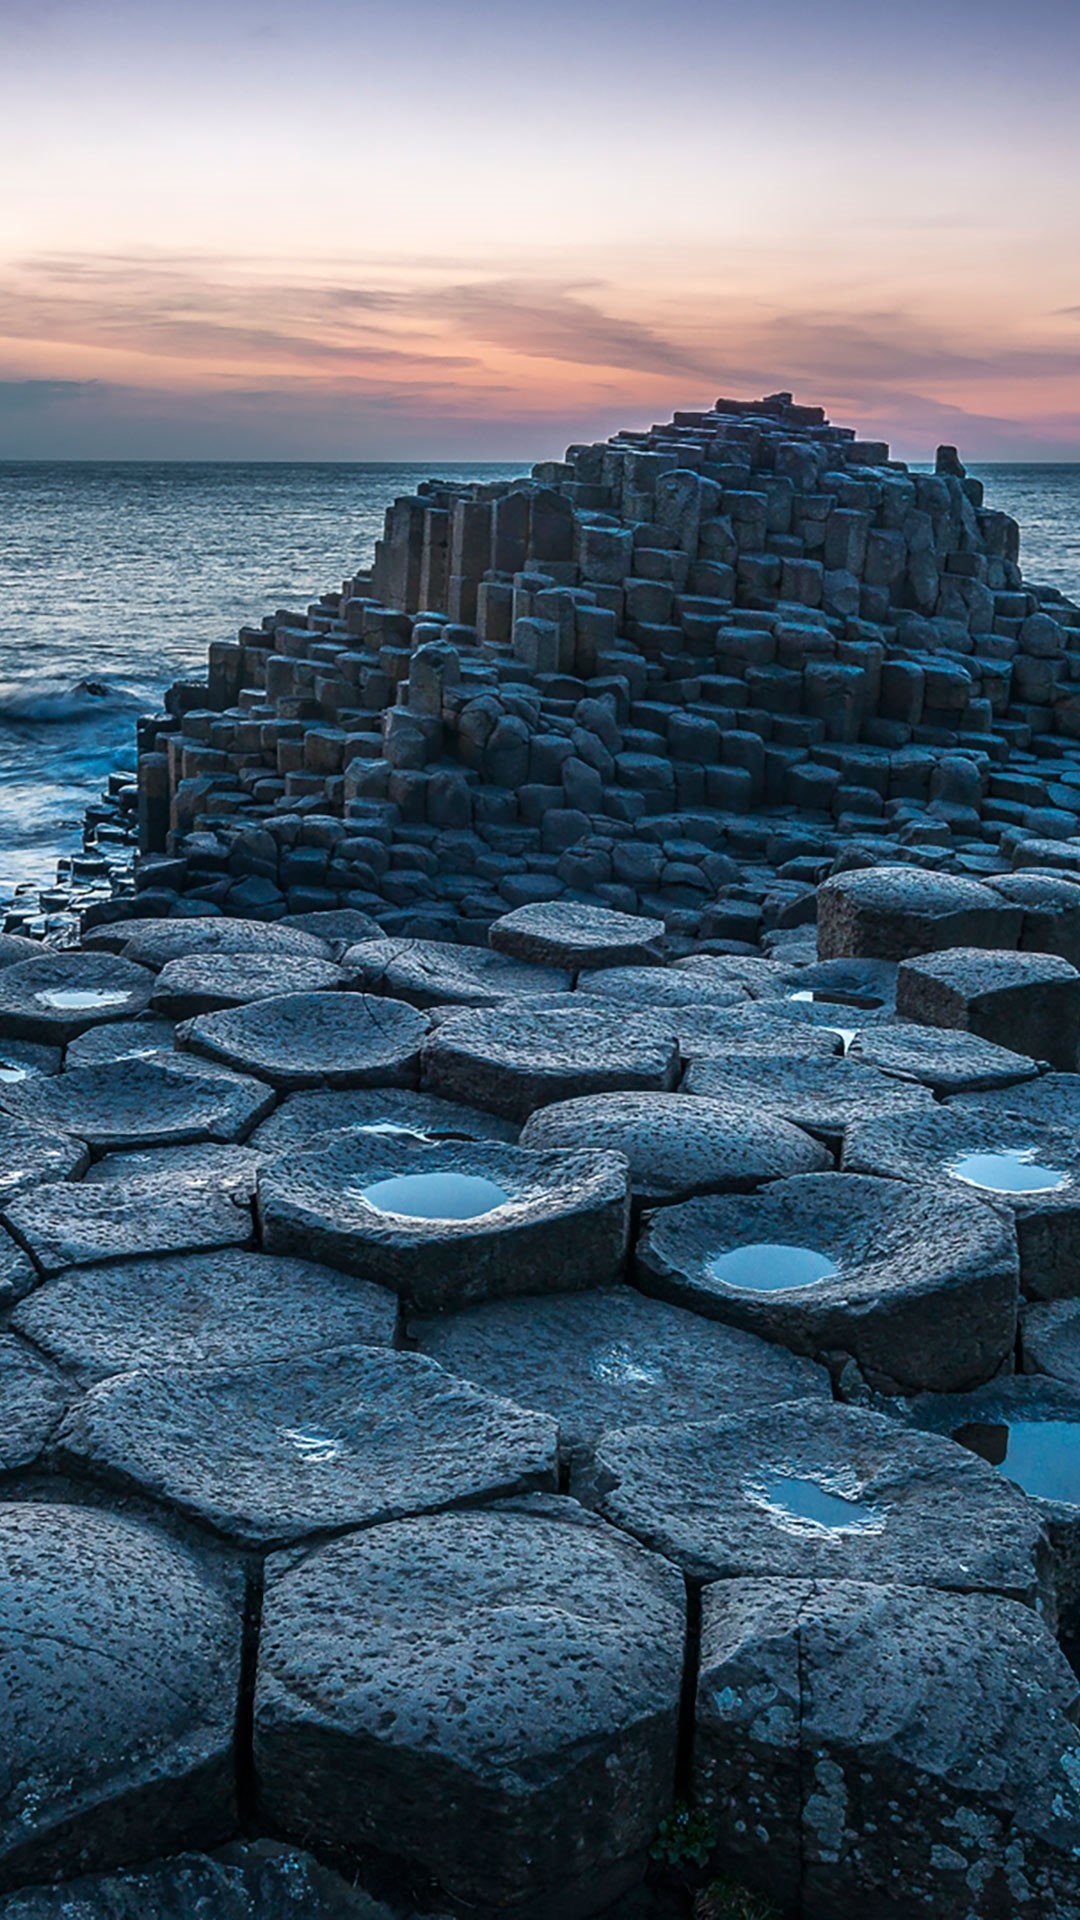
(115, 578)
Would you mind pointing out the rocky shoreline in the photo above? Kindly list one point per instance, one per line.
(539, 1284)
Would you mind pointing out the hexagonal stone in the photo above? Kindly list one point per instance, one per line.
(59, 995)
(889, 913)
(920, 1289)
(761, 977)
(848, 1492)
(822, 1096)
(512, 1060)
(119, 1675)
(20, 1058)
(821, 1704)
(231, 1170)
(490, 1697)
(340, 927)
(32, 1400)
(209, 982)
(1026, 1001)
(448, 1223)
(138, 1039)
(946, 1062)
(302, 1117)
(677, 1146)
(660, 987)
(153, 943)
(247, 1880)
(1051, 907)
(78, 1225)
(1053, 1099)
(1025, 1166)
(314, 1040)
(350, 1437)
(31, 1154)
(761, 1027)
(1050, 1340)
(168, 1100)
(436, 973)
(229, 1309)
(14, 946)
(114, 935)
(17, 1271)
(861, 988)
(613, 1359)
(560, 933)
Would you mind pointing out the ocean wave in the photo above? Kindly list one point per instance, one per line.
(45, 701)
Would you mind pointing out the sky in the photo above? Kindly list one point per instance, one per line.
(267, 229)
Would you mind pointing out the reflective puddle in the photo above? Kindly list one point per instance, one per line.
(1041, 1456)
(808, 1507)
(1017, 1171)
(771, 1267)
(81, 999)
(435, 1196)
(9, 1074)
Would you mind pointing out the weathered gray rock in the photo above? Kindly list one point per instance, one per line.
(119, 1675)
(250, 1880)
(613, 1359)
(32, 1400)
(757, 1495)
(822, 1096)
(209, 982)
(19, 1058)
(314, 1040)
(1050, 903)
(231, 1309)
(822, 1705)
(58, 995)
(231, 1170)
(31, 1154)
(560, 933)
(946, 1062)
(678, 1146)
(153, 943)
(349, 1437)
(436, 973)
(489, 1696)
(302, 1117)
(1050, 1340)
(769, 1026)
(661, 987)
(17, 1271)
(512, 1060)
(1053, 1099)
(474, 1220)
(1029, 1002)
(126, 1040)
(168, 1100)
(1029, 1168)
(14, 947)
(921, 1290)
(889, 913)
(78, 1225)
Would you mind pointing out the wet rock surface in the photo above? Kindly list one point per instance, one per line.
(392, 1111)
(58, 995)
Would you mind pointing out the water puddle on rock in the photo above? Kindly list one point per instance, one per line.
(391, 1130)
(771, 1267)
(1015, 1171)
(619, 1366)
(1041, 1456)
(80, 999)
(808, 1507)
(435, 1196)
(836, 997)
(317, 1449)
(10, 1074)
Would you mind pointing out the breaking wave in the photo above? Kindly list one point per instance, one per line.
(44, 701)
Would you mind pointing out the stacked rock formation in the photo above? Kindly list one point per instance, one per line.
(676, 674)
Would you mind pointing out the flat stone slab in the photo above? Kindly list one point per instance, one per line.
(168, 1100)
(232, 1170)
(138, 1039)
(252, 1880)
(155, 942)
(223, 1309)
(119, 1677)
(32, 1400)
(472, 1694)
(339, 927)
(209, 982)
(613, 1359)
(314, 1040)
(436, 973)
(678, 1146)
(835, 1490)
(393, 1111)
(920, 1289)
(823, 1097)
(511, 1060)
(1050, 1340)
(20, 1058)
(15, 946)
(79, 1225)
(558, 933)
(1053, 1099)
(860, 988)
(114, 935)
(449, 1223)
(58, 995)
(1026, 1167)
(18, 1274)
(289, 1448)
(946, 1062)
(890, 913)
(760, 1027)
(1026, 1001)
(660, 987)
(31, 1154)
(821, 1703)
